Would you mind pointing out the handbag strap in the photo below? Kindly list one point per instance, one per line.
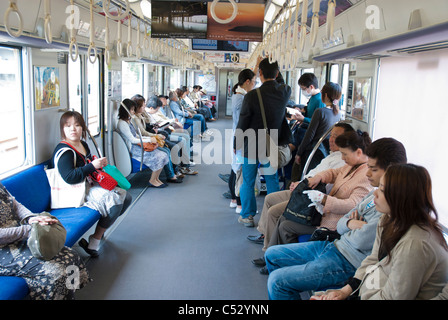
(59, 154)
(263, 115)
(74, 149)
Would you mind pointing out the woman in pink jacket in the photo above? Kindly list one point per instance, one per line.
(350, 185)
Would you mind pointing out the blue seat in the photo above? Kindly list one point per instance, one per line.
(31, 188)
(13, 288)
(136, 166)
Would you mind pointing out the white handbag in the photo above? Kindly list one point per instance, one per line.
(64, 195)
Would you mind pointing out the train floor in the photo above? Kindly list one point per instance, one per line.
(182, 242)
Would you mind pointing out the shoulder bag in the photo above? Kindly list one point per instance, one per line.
(284, 152)
(298, 209)
(64, 195)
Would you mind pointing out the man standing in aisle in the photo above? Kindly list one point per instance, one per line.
(274, 97)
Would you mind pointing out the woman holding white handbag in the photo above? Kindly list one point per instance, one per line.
(76, 165)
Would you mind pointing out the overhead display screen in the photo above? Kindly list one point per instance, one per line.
(175, 19)
(246, 25)
(219, 45)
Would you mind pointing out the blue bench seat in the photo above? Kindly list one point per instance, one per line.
(31, 188)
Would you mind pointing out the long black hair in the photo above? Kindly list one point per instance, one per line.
(244, 75)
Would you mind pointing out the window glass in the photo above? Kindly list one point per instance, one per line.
(12, 137)
(74, 85)
(132, 79)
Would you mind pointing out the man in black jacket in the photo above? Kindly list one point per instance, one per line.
(250, 127)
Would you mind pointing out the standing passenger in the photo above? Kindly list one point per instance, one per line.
(274, 96)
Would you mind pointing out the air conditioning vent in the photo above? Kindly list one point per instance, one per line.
(422, 48)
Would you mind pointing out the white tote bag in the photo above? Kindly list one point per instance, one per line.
(64, 195)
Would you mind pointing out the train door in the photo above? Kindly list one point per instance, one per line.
(227, 79)
(338, 73)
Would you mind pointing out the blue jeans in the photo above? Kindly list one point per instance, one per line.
(168, 168)
(298, 267)
(247, 189)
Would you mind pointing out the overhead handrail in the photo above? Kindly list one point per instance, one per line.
(13, 9)
(315, 22)
(47, 23)
(106, 5)
(138, 49)
(73, 47)
(106, 43)
(303, 21)
(330, 18)
(129, 46)
(224, 21)
(119, 43)
(324, 136)
(92, 46)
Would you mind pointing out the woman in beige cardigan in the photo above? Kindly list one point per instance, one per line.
(350, 185)
(409, 259)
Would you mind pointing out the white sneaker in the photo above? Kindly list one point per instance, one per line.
(238, 210)
(209, 132)
(206, 138)
(192, 164)
(233, 204)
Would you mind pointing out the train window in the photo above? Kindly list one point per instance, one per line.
(12, 131)
(175, 79)
(74, 85)
(93, 90)
(334, 73)
(132, 81)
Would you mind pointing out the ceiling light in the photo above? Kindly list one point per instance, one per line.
(146, 8)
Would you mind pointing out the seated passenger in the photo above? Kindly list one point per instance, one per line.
(110, 204)
(321, 121)
(154, 160)
(275, 203)
(409, 259)
(332, 263)
(187, 118)
(142, 120)
(350, 185)
(46, 280)
(179, 139)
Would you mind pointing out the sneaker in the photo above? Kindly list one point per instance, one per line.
(248, 222)
(188, 171)
(208, 132)
(232, 204)
(259, 238)
(224, 177)
(227, 195)
(206, 138)
(238, 210)
(192, 164)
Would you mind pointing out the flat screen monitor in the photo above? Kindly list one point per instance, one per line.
(219, 45)
(176, 19)
(246, 26)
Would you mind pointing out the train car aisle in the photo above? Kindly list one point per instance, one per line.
(180, 243)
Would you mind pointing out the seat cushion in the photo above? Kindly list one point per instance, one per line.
(13, 288)
(76, 221)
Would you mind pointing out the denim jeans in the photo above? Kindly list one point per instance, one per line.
(298, 267)
(247, 189)
(168, 168)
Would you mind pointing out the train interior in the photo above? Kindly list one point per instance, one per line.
(184, 242)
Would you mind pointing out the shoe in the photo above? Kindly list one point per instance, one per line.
(177, 180)
(260, 262)
(227, 195)
(192, 164)
(85, 245)
(238, 210)
(248, 222)
(212, 119)
(208, 132)
(163, 185)
(188, 171)
(224, 177)
(179, 175)
(232, 204)
(206, 138)
(264, 270)
(256, 239)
